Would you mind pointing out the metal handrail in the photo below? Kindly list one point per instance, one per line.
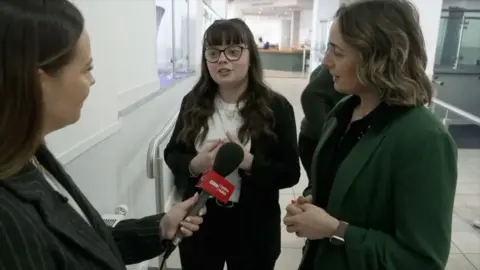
(462, 113)
(153, 151)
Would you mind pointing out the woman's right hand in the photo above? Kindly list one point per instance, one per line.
(203, 161)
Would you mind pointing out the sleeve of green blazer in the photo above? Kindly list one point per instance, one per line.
(424, 183)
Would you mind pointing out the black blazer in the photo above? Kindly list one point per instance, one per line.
(275, 166)
(39, 230)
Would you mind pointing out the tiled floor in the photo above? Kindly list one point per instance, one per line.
(465, 250)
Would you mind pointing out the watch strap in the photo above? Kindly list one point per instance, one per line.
(338, 238)
(341, 230)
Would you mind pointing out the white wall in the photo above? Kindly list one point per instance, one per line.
(125, 71)
(270, 29)
(306, 19)
(233, 11)
(220, 7)
(119, 84)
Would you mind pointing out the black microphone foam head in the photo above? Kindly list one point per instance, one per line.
(228, 158)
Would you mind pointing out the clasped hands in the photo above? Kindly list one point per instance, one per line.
(308, 220)
(203, 161)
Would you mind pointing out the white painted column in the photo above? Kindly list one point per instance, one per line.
(295, 30)
(286, 27)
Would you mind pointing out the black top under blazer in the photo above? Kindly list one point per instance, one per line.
(39, 230)
(275, 166)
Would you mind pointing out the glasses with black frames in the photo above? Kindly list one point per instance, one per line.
(232, 53)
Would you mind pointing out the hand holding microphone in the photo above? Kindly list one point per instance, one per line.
(176, 217)
(213, 183)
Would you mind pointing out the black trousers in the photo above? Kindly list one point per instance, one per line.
(220, 240)
(306, 148)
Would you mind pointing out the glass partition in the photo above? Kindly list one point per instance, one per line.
(165, 42)
(173, 33)
(440, 40)
(181, 37)
(458, 42)
(469, 52)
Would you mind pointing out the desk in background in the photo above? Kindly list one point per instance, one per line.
(283, 60)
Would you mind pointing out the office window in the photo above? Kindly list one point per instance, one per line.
(458, 43)
(181, 37)
(173, 33)
(469, 53)
(440, 40)
(209, 16)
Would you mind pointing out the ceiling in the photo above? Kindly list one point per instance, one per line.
(271, 7)
(271, 11)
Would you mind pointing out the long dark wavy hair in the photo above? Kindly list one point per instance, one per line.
(199, 107)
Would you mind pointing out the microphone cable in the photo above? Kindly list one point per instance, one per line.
(169, 248)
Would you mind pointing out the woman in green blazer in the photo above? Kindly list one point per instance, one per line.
(384, 172)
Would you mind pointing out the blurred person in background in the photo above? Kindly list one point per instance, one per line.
(231, 102)
(46, 223)
(260, 43)
(318, 98)
(385, 171)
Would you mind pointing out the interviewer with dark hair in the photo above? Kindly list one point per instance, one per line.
(46, 223)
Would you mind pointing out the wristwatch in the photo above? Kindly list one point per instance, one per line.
(338, 238)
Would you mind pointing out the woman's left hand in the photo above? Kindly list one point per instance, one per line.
(313, 223)
(246, 164)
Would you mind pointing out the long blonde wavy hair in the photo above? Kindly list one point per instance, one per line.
(391, 49)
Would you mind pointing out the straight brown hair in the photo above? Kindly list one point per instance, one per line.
(34, 35)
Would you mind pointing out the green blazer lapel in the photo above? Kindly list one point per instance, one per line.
(327, 133)
(351, 167)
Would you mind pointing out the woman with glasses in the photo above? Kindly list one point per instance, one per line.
(231, 102)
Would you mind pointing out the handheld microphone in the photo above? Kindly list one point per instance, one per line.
(213, 183)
